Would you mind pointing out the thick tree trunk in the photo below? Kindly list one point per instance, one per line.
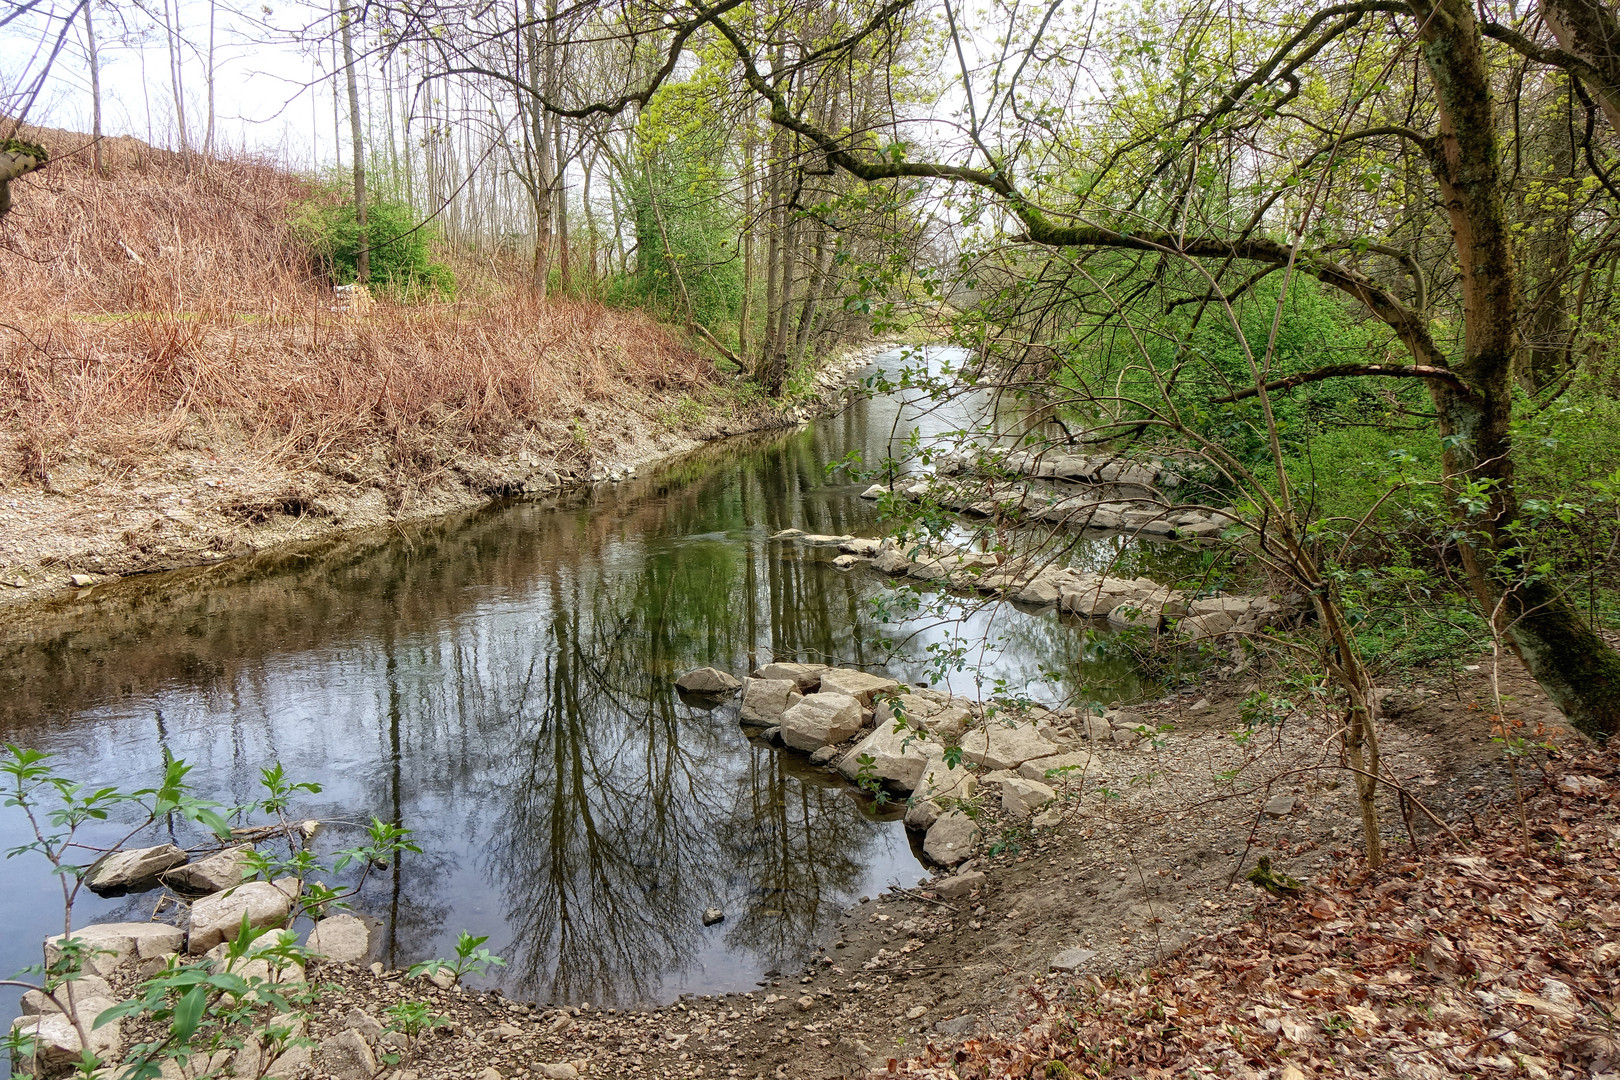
(1589, 30)
(1568, 659)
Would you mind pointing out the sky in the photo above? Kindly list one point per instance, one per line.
(264, 100)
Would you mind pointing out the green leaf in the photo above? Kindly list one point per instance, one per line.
(188, 1014)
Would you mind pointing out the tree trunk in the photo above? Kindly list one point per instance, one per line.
(95, 93)
(1570, 661)
(362, 271)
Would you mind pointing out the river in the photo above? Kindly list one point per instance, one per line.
(501, 683)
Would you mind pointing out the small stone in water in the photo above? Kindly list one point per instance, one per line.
(712, 916)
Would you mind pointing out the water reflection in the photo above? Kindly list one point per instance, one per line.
(501, 683)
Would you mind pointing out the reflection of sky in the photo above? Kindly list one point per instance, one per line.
(501, 684)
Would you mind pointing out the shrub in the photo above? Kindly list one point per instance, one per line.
(402, 261)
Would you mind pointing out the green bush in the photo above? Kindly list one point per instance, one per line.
(402, 262)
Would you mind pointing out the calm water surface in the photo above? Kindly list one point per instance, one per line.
(501, 684)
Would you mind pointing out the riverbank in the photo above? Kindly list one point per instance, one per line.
(217, 495)
(1076, 931)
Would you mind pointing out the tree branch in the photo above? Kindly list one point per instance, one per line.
(1350, 371)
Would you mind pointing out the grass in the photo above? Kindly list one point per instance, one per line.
(152, 305)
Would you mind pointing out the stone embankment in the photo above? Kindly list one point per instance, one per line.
(1100, 492)
(116, 957)
(939, 751)
(1123, 602)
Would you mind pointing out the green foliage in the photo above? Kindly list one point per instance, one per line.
(401, 253)
(686, 242)
(471, 959)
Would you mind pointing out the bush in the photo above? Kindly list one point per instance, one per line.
(402, 262)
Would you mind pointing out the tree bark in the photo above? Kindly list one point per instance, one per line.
(362, 271)
(95, 93)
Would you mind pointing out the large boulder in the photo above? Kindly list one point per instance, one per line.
(1202, 627)
(1209, 605)
(221, 870)
(1063, 768)
(952, 838)
(1020, 797)
(1000, 746)
(857, 684)
(942, 781)
(898, 757)
(891, 561)
(56, 1041)
(805, 676)
(1088, 600)
(821, 720)
(216, 917)
(343, 939)
(107, 945)
(708, 680)
(1136, 614)
(129, 869)
(1045, 589)
(765, 700)
(74, 994)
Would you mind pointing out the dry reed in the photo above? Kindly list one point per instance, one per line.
(153, 303)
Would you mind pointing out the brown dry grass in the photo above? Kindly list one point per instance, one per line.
(152, 304)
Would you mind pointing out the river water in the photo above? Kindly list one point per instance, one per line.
(501, 684)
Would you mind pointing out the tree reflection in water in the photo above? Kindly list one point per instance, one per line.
(502, 684)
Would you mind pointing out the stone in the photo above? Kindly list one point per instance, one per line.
(1126, 737)
(346, 1056)
(1209, 605)
(806, 677)
(35, 1002)
(128, 869)
(806, 1003)
(1136, 615)
(892, 562)
(1201, 627)
(845, 562)
(916, 1012)
(708, 680)
(491, 1074)
(342, 939)
(216, 917)
(358, 1020)
(821, 720)
(562, 1070)
(1020, 797)
(107, 945)
(1089, 601)
(1060, 768)
(1095, 728)
(1000, 746)
(248, 1062)
(1070, 961)
(765, 700)
(824, 539)
(1280, 806)
(955, 888)
(857, 684)
(787, 534)
(876, 491)
(1048, 818)
(712, 916)
(221, 870)
(860, 545)
(294, 1062)
(56, 1040)
(254, 965)
(922, 814)
(1042, 590)
(79, 581)
(941, 781)
(899, 758)
(956, 1025)
(952, 839)
(824, 755)
(772, 735)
